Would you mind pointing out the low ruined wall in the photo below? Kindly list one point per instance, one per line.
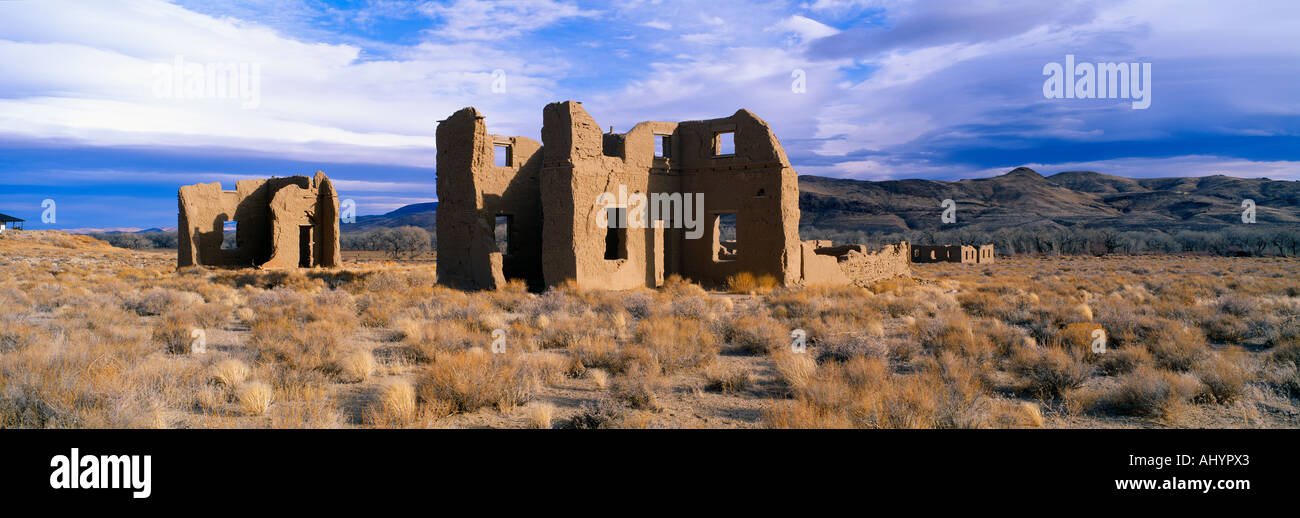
(853, 264)
(820, 268)
(864, 268)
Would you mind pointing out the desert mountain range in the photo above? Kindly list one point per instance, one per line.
(1019, 198)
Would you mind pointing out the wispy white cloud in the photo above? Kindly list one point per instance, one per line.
(474, 20)
(85, 83)
(806, 28)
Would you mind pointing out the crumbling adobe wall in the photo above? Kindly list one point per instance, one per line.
(304, 225)
(865, 268)
(820, 268)
(969, 254)
(560, 192)
(580, 163)
(473, 191)
(575, 172)
(755, 183)
(859, 266)
(280, 223)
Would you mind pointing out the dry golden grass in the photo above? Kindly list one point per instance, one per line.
(796, 370)
(107, 342)
(356, 366)
(1150, 392)
(254, 397)
(746, 282)
(549, 367)
(755, 333)
(1223, 377)
(474, 379)
(674, 343)
(801, 414)
(599, 377)
(638, 387)
(395, 404)
(1048, 372)
(1177, 346)
(230, 372)
(727, 379)
(539, 414)
(176, 332)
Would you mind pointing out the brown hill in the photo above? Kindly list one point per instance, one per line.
(1020, 198)
(424, 215)
(1023, 198)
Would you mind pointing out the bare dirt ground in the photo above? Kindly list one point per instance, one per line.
(95, 336)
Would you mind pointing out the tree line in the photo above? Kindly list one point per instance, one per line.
(396, 242)
(138, 241)
(1251, 241)
(405, 241)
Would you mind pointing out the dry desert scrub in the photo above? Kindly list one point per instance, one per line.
(254, 397)
(755, 333)
(728, 379)
(539, 415)
(395, 405)
(746, 282)
(229, 372)
(473, 379)
(94, 336)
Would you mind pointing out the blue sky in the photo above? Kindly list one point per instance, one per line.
(894, 89)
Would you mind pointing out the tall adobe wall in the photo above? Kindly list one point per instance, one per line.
(754, 184)
(473, 192)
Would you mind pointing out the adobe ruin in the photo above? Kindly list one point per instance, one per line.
(623, 210)
(289, 222)
(952, 254)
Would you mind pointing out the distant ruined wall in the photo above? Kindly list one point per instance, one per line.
(952, 254)
(936, 254)
(280, 223)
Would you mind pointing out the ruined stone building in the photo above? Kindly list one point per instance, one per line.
(622, 210)
(279, 223)
(952, 254)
